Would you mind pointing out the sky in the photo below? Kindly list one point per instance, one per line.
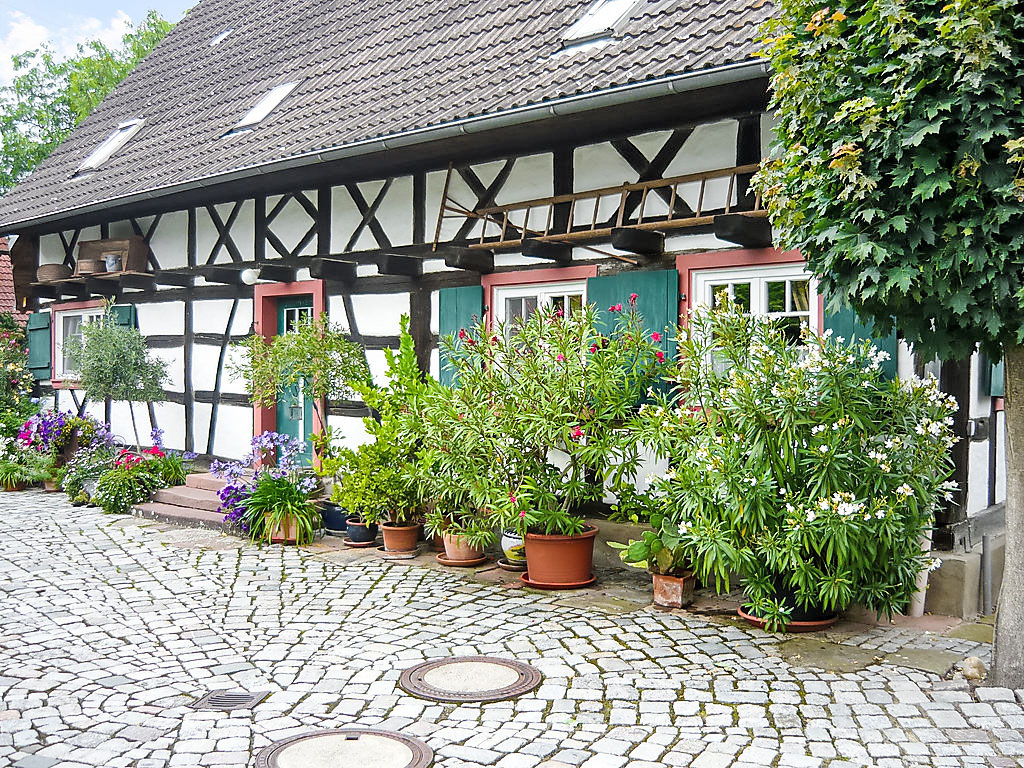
(27, 24)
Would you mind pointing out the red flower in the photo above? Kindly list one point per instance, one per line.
(512, 498)
(661, 356)
(577, 433)
(559, 312)
(655, 336)
(560, 357)
(615, 308)
(470, 342)
(593, 349)
(632, 299)
(462, 333)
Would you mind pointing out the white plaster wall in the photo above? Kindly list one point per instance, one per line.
(205, 361)
(161, 318)
(175, 359)
(350, 431)
(379, 314)
(459, 193)
(201, 425)
(234, 431)
(242, 232)
(170, 417)
(169, 242)
(211, 316)
(378, 366)
(337, 313)
(395, 213)
(291, 225)
(51, 249)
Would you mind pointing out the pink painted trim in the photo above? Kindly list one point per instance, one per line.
(264, 306)
(687, 263)
(68, 306)
(530, 277)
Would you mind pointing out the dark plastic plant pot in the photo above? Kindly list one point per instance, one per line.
(360, 531)
(335, 518)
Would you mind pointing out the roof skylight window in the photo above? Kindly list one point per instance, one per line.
(110, 145)
(599, 20)
(221, 37)
(263, 107)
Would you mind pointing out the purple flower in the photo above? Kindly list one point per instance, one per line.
(157, 436)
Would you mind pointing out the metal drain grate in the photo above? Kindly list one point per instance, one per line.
(227, 700)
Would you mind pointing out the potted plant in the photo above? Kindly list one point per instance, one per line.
(661, 551)
(373, 487)
(536, 418)
(272, 503)
(798, 467)
(21, 467)
(130, 480)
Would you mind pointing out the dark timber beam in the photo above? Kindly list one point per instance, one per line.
(748, 231)
(472, 259)
(222, 275)
(541, 249)
(644, 242)
(174, 278)
(141, 282)
(393, 264)
(277, 273)
(45, 292)
(100, 287)
(332, 269)
(73, 291)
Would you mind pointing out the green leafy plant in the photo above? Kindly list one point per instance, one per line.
(375, 485)
(800, 468)
(315, 355)
(87, 464)
(113, 360)
(19, 467)
(123, 486)
(532, 431)
(660, 550)
(276, 501)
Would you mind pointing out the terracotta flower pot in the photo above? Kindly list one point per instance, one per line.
(560, 561)
(50, 486)
(814, 625)
(674, 591)
(437, 542)
(458, 548)
(283, 533)
(19, 486)
(400, 538)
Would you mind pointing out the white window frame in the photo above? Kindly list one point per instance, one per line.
(543, 292)
(88, 315)
(706, 281)
(120, 136)
(599, 20)
(267, 104)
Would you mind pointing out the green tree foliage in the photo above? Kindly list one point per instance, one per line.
(897, 170)
(50, 96)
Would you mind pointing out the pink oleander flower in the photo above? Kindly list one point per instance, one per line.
(593, 349)
(522, 514)
(512, 498)
(577, 433)
(660, 355)
(462, 333)
(655, 336)
(560, 357)
(632, 299)
(615, 308)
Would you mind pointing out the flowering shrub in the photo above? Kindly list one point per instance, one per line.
(532, 431)
(16, 381)
(258, 495)
(130, 481)
(53, 432)
(799, 468)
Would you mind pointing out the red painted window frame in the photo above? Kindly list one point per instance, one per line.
(68, 306)
(530, 277)
(688, 263)
(264, 315)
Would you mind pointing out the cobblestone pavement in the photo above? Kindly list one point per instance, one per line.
(110, 627)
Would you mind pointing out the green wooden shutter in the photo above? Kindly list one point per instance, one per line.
(457, 308)
(657, 300)
(39, 345)
(846, 324)
(124, 314)
(993, 378)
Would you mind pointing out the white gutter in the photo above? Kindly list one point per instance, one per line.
(567, 105)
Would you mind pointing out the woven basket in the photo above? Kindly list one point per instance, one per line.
(91, 266)
(48, 272)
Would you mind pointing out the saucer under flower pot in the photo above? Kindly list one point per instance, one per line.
(795, 627)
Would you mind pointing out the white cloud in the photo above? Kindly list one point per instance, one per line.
(25, 33)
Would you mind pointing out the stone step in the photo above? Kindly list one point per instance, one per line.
(186, 496)
(188, 516)
(204, 481)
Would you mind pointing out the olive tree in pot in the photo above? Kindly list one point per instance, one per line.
(537, 418)
(112, 361)
(798, 467)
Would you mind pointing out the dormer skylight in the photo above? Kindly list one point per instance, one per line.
(598, 21)
(221, 37)
(263, 107)
(110, 145)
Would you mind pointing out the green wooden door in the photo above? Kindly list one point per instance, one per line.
(294, 409)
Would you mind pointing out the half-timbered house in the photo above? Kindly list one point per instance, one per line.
(421, 157)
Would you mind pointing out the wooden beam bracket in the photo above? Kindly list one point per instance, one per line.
(179, 279)
(542, 249)
(748, 231)
(223, 275)
(141, 282)
(393, 264)
(644, 242)
(471, 259)
(100, 287)
(277, 273)
(332, 269)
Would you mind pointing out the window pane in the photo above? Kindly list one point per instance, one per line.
(575, 303)
(777, 296)
(800, 290)
(791, 326)
(529, 306)
(558, 302)
(741, 295)
(716, 290)
(72, 328)
(513, 309)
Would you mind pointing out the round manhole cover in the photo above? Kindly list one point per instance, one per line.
(469, 678)
(357, 747)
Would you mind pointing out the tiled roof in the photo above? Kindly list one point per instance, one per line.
(7, 302)
(368, 68)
